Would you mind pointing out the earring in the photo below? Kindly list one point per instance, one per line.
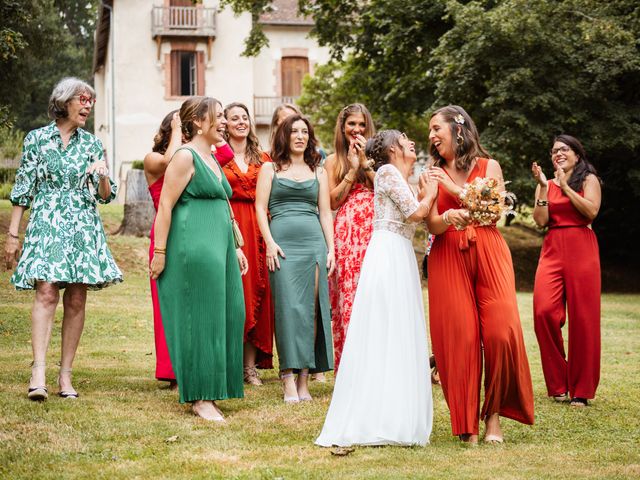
(199, 132)
(459, 139)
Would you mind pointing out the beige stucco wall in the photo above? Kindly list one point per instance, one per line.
(140, 77)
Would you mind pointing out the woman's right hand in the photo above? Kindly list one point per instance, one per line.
(11, 252)
(459, 218)
(157, 265)
(273, 262)
(539, 175)
(353, 155)
(176, 122)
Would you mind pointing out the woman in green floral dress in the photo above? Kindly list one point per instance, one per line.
(62, 176)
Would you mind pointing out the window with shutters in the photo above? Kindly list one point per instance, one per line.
(187, 73)
(293, 71)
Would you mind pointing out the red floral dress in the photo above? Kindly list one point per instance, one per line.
(353, 226)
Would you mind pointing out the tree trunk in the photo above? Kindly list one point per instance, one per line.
(138, 206)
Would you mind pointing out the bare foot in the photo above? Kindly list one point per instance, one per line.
(319, 377)
(206, 409)
(493, 432)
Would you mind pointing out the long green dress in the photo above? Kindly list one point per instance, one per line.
(295, 227)
(200, 292)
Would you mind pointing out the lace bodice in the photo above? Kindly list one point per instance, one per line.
(393, 202)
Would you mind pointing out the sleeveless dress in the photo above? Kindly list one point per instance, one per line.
(473, 316)
(568, 278)
(258, 325)
(65, 240)
(353, 226)
(164, 371)
(383, 393)
(200, 291)
(295, 227)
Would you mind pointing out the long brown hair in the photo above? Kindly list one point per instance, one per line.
(466, 141)
(274, 118)
(253, 152)
(281, 150)
(197, 108)
(162, 138)
(583, 168)
(341, 144)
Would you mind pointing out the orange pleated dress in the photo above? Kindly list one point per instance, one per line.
(474, 320)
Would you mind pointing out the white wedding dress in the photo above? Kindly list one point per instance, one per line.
(382, 394)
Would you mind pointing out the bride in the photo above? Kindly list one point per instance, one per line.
(383, 393)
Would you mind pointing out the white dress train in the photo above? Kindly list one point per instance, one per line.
(382, 395)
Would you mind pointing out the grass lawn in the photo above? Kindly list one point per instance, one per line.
(127, 425)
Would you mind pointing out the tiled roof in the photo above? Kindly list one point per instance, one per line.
(284, 12)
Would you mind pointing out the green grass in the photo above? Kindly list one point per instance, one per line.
(125, 424)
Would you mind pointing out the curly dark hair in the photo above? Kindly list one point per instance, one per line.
(377, 147)
(281, 150)
(583, 168)
(162, 138)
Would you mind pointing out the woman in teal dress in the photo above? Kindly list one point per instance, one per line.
(197, 267)
(62, 175)
(300, 253)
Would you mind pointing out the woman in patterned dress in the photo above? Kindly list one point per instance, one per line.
(242, 174)
(62, 175)
(351, 189)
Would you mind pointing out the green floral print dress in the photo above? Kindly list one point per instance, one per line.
(65, 241)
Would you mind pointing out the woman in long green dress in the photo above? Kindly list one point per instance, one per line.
(62, 175)
(198, 267)
(300, 254)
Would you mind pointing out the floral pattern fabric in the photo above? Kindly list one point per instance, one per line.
(65, 240)
(353, 227)
(394, 202)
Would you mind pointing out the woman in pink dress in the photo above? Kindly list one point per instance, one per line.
(168, 139)
(351, 190)
(242, 174)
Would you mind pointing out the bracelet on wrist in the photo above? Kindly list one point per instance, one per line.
(542, 203)
(160, 250)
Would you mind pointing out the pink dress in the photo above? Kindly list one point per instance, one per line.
(164, 370)
(353, 226)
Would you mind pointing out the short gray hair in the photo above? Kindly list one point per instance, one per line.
(63, 92)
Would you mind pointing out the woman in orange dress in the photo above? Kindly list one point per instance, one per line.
(473, 313)
(351, 190)
(242, 174)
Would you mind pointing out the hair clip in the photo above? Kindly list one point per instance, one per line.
(459, 119)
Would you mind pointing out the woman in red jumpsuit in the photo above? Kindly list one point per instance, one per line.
(568, 275)
(473, 312)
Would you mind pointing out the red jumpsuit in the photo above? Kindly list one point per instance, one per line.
(568, 278)
(473, 310)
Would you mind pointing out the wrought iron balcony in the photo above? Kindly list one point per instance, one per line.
(263, 107)
(194, 21)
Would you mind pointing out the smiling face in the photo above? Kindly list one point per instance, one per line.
(441, 138)
(407, 151)
(354, 125)
(299, 137)
(238, 123)
(563, 156)
(213, 130)
(79, 108)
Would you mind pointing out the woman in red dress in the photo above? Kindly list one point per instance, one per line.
(168, 139)
(568, 275)
(473, 313)
(351, 190)
(242, 174)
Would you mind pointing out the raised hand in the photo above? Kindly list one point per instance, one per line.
(539, 175)
(441, 176)
(560, 175)
(353, 155)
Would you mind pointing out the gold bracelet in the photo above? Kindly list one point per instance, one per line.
(160, 250)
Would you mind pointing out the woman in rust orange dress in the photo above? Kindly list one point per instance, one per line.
(242, 174)
(351, 190)
(473, 313)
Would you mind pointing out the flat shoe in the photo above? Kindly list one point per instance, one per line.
(493, 439)
(579, 402)
(561, 398)
(72, 395)
(38, 393)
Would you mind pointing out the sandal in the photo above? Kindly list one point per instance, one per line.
(579, 402)
(288, 399)
(251, 376)
(38, 393)
(561, 398)
(72, 394)
(307, 397)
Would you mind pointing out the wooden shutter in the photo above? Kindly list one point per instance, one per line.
(175, 73)
(200, 73)
(293, 71)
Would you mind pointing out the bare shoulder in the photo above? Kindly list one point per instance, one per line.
(151, 158)
(493, 168)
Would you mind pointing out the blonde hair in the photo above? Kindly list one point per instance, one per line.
(197, 108)
(341, 144)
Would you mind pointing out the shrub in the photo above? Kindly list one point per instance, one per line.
(5, 190)
(137, 165)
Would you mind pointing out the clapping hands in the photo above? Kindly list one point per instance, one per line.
(539, 175)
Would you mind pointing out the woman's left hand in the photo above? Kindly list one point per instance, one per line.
(561, 176)
(242, 261)
(99, 167)
(331, 262)
(359, 144)
(157, 265)
(441, 176)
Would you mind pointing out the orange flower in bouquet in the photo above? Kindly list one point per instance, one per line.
(485, 201)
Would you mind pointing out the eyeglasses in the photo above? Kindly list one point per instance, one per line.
(555, 151)
(86, 101)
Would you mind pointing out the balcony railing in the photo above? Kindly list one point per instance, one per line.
(263, 107)
(183, 21)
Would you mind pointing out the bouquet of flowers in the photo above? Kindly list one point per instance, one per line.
(484, 200)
